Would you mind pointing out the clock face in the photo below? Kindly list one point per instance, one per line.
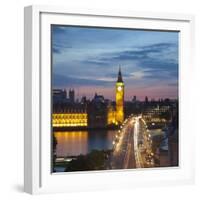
(119, 88)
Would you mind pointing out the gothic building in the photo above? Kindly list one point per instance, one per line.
(119, 98)
(116, 115)
(97, 113)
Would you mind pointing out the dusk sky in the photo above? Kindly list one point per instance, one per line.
(88, 59)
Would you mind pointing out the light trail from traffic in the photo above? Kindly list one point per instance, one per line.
(138, 157)
(123, 146)
(130, 145)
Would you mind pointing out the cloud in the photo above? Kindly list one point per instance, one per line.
(141, 53)
(56, 50)
(60, 42)
(161, 56)
(96, 62)
(149, 61)
(57, 30)
(60, 48)
(140, 74)
(158, 47)
(69, 81)
(91, 56)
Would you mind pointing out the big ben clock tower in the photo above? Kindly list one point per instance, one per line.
(119, 98)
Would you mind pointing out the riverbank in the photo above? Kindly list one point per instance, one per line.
(95, 160)
(85, 128)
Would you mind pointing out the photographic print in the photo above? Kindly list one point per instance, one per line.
(114, 98)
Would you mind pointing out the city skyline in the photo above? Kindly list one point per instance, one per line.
(87, 60)
(78, 98)
(113, 125)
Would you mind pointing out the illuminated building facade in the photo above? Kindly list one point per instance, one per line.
(156, 114)
(119, 99)
(115, 116)
(69, 120)
(111, 116)
(97, 113)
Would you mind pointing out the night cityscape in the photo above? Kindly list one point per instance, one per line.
(114, 99)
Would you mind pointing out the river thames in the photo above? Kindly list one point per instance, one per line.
(73, 143)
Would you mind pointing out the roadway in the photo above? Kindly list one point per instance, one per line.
(137, 150)
(129, 145)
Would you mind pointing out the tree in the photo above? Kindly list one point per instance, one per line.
(92, 161)
(54, 151)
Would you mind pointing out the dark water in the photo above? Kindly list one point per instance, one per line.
(72, 143)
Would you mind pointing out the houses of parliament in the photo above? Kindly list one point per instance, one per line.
(97, 113)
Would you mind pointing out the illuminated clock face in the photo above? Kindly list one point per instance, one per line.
(119, 88)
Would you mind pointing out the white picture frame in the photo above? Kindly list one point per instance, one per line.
(37, 143)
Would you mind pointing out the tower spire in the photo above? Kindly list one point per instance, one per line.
(119, 79)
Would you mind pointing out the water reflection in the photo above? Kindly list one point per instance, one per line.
(72, 143)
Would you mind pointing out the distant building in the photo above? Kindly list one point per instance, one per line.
(59, 95)
(173, 148)
(98, 113)
(134, 99)
(98, 98)
(67, 113)
(146, 100)
(71, 96)
(115, 116)
(83, 100)
(111, 115)
(164, 160)
(157, 113)
(169, 156)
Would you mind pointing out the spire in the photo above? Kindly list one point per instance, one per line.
(119, 79)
